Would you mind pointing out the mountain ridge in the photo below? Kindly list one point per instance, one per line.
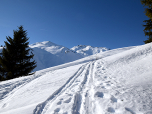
(87, 50)
(60, 54)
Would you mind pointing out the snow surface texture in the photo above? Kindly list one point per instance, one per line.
(113, 82)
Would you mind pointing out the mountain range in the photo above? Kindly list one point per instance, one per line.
(48, 54)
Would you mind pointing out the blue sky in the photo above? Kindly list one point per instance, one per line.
(99, 23)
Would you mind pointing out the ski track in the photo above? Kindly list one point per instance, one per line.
(43, 107)
(89, 91)
(86, 92)
(74, 96)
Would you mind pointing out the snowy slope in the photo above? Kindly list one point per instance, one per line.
(113, 82)
(86, 50)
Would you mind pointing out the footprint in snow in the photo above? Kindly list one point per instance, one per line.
(61, 99)
(103, 87)
(58, 103)
(99, 94)
(57, 110)
(103, 68)
(67, 101)
(129, 110)
(105, 77)
(108, 85)
(111, 110)
(107, 82)
(113, 99)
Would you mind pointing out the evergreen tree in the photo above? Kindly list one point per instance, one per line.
(148, 10)
(148, 25)
(148, 30)
(2, 74)
(16, 56)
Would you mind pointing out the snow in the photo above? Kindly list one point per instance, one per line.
(48, 54)
(111, 82)
(86, 50)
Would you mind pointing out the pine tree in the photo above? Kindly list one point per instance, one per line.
(16, 56)
(148, 25)
(2, 74)
(148, 10)
(148, 30)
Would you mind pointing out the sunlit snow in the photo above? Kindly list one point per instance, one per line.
(112, 82)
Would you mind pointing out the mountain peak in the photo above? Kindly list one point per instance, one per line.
(43, 44)
(86, 50)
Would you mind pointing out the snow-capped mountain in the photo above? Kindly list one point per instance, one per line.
(86, 50)
(48, 54)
